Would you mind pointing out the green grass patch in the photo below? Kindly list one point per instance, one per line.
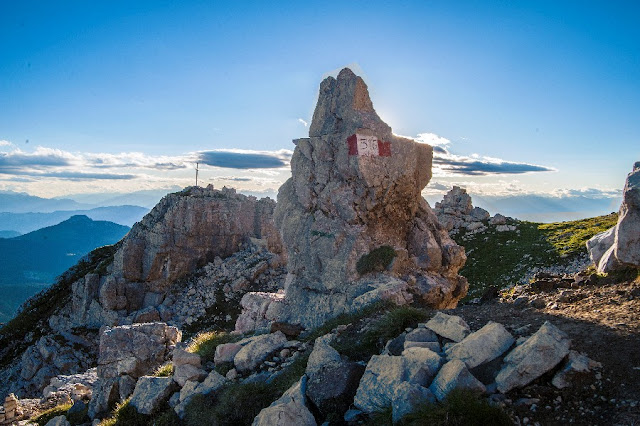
(569, 238)
(44, 417)
(205, 343)
(126, 415)
(239, 403)
(379, 418)
(361, 346)
(501, 259)
(35, 312)
(460, 408)
(344, 319)
(376, 261)
(165, 370)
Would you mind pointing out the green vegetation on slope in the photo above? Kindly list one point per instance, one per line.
(569, 238)
(360, 346)
(34, 314)
(34, 260)
(502, 258)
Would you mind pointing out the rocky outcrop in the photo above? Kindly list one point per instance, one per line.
(135, 350)
(456, 213)
(619, 247)
(183, 232)
(353, 207)
(50, 356)
(126, 354)
(188, 229)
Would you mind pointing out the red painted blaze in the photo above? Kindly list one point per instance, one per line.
(384, 148)
(353, 144)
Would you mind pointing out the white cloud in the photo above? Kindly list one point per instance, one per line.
(432, 139)
(5, 143)
(304, 123)
(447, 164)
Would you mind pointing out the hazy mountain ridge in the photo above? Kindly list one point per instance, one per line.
(20, 202)
(146, 198)
(9, 234)
(29, 222)
(34, 260)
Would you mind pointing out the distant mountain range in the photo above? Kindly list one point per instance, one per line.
(20, 202)
(145, 198)
(28, 222)
(541, 208)
(21, 213)
(9, 234)
(30, 261)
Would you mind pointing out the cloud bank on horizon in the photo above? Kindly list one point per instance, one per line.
(250, 171)
(55, 163)
(447, 164)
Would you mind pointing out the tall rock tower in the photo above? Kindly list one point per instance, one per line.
(353, 203)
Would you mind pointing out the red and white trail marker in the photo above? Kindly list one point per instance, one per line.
(368, 146)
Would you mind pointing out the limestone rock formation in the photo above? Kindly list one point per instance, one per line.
(619, 247)
(352, 205)
(188, 229)
(127, 353)
(456, 212)
(183, 232)
(537, 355)
(136, 349)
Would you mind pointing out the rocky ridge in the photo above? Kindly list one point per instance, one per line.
(183, 233)
(186, 236)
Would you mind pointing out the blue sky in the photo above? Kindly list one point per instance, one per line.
(117, 96)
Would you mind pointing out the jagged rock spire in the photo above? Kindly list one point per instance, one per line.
(344, 105)
(355, 188)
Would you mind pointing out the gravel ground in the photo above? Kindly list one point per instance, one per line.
(603, 322)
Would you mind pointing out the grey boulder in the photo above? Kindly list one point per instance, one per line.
(58, 421)
(332, 388)
(454, 375)
(150, 392)
(420, 365)
(538, 354)
(450, 326)
(383, 374)
(258, 350)
(482, 346)
(574, 365)
(407, 397)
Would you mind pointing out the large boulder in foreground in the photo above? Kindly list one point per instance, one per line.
(135, 350)
(541, 352)
(353, 207)
(619, 247)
